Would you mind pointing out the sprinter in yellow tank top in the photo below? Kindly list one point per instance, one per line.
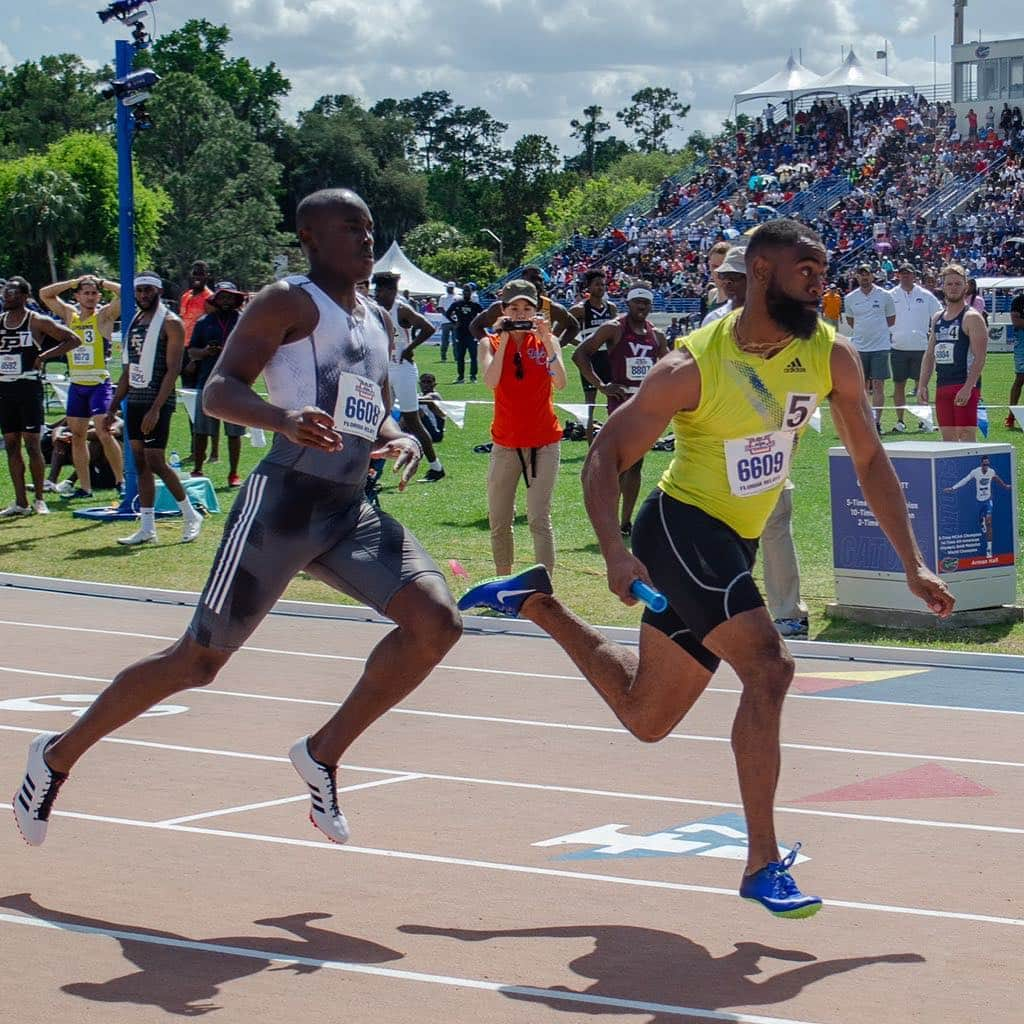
(738, 394)
(90, 391)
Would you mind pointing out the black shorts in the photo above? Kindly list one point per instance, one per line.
(602, 367)
(701, 565)
(906, 365)
(21, 407)
(157, 438)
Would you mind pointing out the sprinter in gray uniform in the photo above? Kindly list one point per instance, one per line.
(323, 353)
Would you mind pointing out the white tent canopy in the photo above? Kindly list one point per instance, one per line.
(417, 281)
(852, 77)
(999, 282)
(785, 83)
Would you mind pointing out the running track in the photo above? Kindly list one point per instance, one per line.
(181, 876)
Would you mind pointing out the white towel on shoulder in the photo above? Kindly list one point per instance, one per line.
(148, 356)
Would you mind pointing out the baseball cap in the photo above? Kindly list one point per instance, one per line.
(863, 268)
(228, 288)
(450, 284)
(385, 275)
(520, 289)
(735, 261)
(907, 268)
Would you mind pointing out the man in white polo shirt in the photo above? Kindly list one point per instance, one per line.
(915, 307)
(870, 311)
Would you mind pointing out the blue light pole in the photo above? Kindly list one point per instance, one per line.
(124, 55)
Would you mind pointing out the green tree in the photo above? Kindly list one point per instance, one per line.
(470, 142)
(652, 113)
(649, 168)
(532, 176)
(199, 48)
(467, 263)
(699, 142)
(221, 182)
(427, 113)
(338, 142)
(587, 131)
(91, 160)
(42, 101)
(430, 236)
(46, 206)
(91, 163)
(589, 206)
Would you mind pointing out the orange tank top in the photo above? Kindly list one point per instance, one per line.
(524, 413)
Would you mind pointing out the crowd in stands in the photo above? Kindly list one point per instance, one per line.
(888, 156)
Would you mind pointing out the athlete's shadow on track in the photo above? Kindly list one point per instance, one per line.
(183, 980)
(651, 966)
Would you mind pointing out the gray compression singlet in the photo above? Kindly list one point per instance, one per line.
(346, 356)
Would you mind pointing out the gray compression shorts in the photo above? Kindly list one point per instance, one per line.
(284, 522)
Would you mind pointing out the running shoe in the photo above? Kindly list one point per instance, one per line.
(190, 530)
(324, 812)
(34, 800)
(66, 488)
(48, 486)
(14, 509)
(899, 427)
(792, 629)
(1010, 422)
(234, 480)
(80, 492)
(506, 594)
(776, 889)
(140, 536)
(433, 475)
(40, 507)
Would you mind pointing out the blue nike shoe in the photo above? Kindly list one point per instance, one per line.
(776, 890)
(506, 594)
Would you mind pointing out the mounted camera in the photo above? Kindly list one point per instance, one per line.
(132, 89)
(122, 10)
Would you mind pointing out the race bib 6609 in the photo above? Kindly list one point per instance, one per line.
(758, 463)
(360, 408)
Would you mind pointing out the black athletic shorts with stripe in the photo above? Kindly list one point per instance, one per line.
(284, 522)
(701, 565)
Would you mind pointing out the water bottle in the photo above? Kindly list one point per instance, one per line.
(175, 461)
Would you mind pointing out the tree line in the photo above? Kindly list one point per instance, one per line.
(219, 174)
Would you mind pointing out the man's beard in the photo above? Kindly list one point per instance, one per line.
(790, 314)
(146, 307)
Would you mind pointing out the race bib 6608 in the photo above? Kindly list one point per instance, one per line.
(360, 408)
(759, 463)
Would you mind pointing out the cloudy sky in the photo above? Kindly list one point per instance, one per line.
(537, 65)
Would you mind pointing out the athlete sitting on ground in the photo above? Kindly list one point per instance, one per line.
(738, 394)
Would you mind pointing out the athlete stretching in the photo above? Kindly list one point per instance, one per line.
(738, 394)
(323, 353)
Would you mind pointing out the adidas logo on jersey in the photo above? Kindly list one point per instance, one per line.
(795, 367)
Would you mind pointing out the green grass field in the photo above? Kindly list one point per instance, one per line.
(450, 517)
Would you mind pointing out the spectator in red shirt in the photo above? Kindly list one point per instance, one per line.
(193, 301)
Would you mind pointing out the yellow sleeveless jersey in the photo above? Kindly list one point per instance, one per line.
(87, 364)
(733, 451)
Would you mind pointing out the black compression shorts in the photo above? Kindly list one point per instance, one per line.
(701, 565)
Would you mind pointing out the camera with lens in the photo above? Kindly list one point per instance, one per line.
(516, 325)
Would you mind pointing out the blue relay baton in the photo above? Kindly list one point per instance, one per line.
(654, 600)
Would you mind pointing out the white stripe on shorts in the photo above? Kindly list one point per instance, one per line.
(224, 573)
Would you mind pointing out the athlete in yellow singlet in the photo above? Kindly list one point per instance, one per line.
(739, 394)
(90, 390)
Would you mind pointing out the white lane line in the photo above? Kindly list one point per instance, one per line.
(534, 723)
(500, 672)
(544, 787)
(523, 869)
(283, 800)
(554, 995)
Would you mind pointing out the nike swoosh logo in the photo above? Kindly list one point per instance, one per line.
(502, 594)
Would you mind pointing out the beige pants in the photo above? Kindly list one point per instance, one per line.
(781, 569)
(504, 476)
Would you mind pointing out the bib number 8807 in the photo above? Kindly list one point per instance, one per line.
(362, 409)
(760, 466)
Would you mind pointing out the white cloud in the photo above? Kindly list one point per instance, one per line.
(536, 64)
